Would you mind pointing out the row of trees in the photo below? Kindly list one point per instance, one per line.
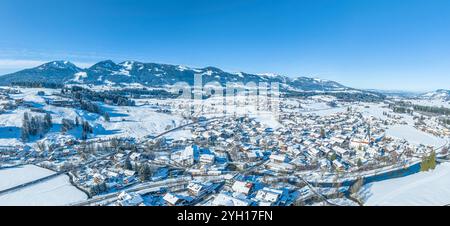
(90, 107)
(94, 108)
(39, 125)
(431, 109)
(137, 93)
(35, 125)
(80, 93)
(38, 84)
(402, 110)
(404, 107)
(66, 125)
(343, 96)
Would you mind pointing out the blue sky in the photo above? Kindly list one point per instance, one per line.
(382, 44)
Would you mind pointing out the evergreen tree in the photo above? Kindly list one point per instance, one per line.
(83, 135)
(359, 163)
(67, 125)
(106, 116)
(127, 164)
(322, 133)
(428, 162)
(86, 127)
(48, 120)
(136, 167)
(34, 125)
(144, 172)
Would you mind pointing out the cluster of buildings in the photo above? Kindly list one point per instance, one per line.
(232, 161)
(6, 102)
(232, 148)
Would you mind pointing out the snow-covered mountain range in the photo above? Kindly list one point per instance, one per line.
(155, 75)
(440, 94)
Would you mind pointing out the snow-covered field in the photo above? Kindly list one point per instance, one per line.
(414, 136)
(424, 188)
(15, 176)
(135, 122)
(374, 110)
(125, 121)
(55, 191)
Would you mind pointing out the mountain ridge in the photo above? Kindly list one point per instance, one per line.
(155, 74)
(443, 94)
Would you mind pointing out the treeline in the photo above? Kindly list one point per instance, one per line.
(35, 125)
(431, 109)
(39, 125)
(403, 107)
(138, 93)
(84, 97)
(38, 84)
(90, 107)
(362, 97)
(83, 94)
(343, 96)
(94, 108)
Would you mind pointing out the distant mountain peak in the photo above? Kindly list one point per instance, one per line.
(442, 94)
(59, 64)
(104, 64)
(212, 68)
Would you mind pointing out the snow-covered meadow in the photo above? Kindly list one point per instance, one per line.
(414, 136)
(125, 121)
(53, 192)
(11, 177)
(425, 188)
